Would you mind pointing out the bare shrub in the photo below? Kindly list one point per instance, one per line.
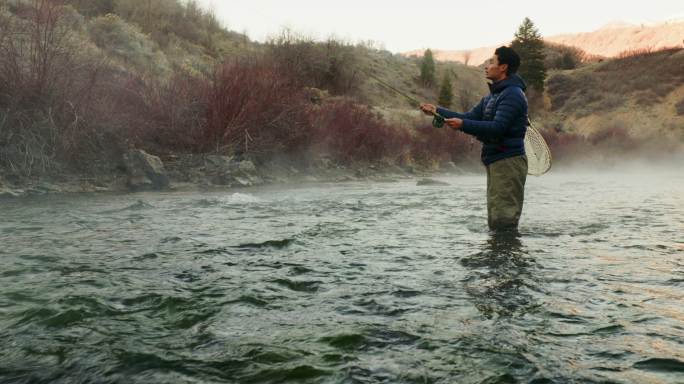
(613, 135)
(565, 146)
(351, 132)
(430, 145)
(45, 85)
(558, 56)
(254, 107)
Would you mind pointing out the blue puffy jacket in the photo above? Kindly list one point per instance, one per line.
(499, 120)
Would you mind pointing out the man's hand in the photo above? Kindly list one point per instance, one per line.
(428, 109)
(455, 124)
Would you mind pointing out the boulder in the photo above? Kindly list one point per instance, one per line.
(246, 167)
(247, 174)
(145, 171)
(219, 169)
(243, 181)
(223, 170)
(218, 162)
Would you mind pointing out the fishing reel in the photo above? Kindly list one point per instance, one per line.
(438, 121)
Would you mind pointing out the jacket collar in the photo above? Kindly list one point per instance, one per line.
(511, 81)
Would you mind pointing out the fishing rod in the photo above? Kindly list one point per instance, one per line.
(437, 121)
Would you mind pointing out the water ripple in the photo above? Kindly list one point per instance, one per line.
(347, 283)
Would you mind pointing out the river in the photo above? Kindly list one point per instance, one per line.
(359, 282)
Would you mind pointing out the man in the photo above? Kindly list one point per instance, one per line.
(499, 121)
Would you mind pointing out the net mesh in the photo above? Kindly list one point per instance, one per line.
(538, 153)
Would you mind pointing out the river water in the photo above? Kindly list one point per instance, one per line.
(358, 282)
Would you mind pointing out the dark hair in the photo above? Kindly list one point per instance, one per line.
(508, 56)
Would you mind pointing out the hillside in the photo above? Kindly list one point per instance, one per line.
(633, 96)
(189, 38)
(84, 82)
(608, 41)
(642, 95)
(616, 38)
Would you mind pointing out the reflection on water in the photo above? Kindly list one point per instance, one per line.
(499, 275)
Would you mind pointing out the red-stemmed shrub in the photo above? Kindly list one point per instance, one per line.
(613, 136)
(564, 145)
(430, 145)
(253, 107)
(349, 132)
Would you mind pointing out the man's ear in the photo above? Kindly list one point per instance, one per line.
(505, 68)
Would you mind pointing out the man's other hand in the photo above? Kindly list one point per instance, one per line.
(455, 124)
(428, 109)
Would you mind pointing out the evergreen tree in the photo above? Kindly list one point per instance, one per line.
(427, 69)
(446, 93)
(530, 46)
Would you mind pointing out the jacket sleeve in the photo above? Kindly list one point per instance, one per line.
(510, 105)
(473, 114)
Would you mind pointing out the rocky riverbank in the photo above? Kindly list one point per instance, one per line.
(141, 171)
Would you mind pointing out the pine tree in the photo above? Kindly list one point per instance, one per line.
(530, 46)
(427, 69)
(446, 93)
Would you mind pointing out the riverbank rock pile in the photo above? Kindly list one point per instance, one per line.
(145, 171)
(228, 171)
(214, 171)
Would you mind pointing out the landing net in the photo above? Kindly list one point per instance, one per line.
(538, 153)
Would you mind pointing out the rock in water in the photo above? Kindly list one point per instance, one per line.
(424, 182)
(145, 171)
(7, 191)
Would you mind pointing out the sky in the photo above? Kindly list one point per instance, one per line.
(401, 26)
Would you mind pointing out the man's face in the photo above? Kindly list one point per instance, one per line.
(495, 71)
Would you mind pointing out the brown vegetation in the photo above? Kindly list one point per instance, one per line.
(565, 146)
(46, 86)
(78, 92)
(80, 95)
(645, 76)
(558, 56)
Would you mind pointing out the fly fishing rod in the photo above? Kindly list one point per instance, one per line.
(437, 121)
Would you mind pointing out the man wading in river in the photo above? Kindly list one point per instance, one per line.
(499, 121)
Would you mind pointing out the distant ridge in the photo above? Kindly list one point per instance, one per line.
(608, 41)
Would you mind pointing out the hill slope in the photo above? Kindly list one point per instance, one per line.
(608, 41)
(642, 94)
(614, 39)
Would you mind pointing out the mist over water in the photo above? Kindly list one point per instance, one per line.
(359, 282)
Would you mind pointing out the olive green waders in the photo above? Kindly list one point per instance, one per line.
(506, 191)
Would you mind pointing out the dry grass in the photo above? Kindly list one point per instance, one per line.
(644, 76)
